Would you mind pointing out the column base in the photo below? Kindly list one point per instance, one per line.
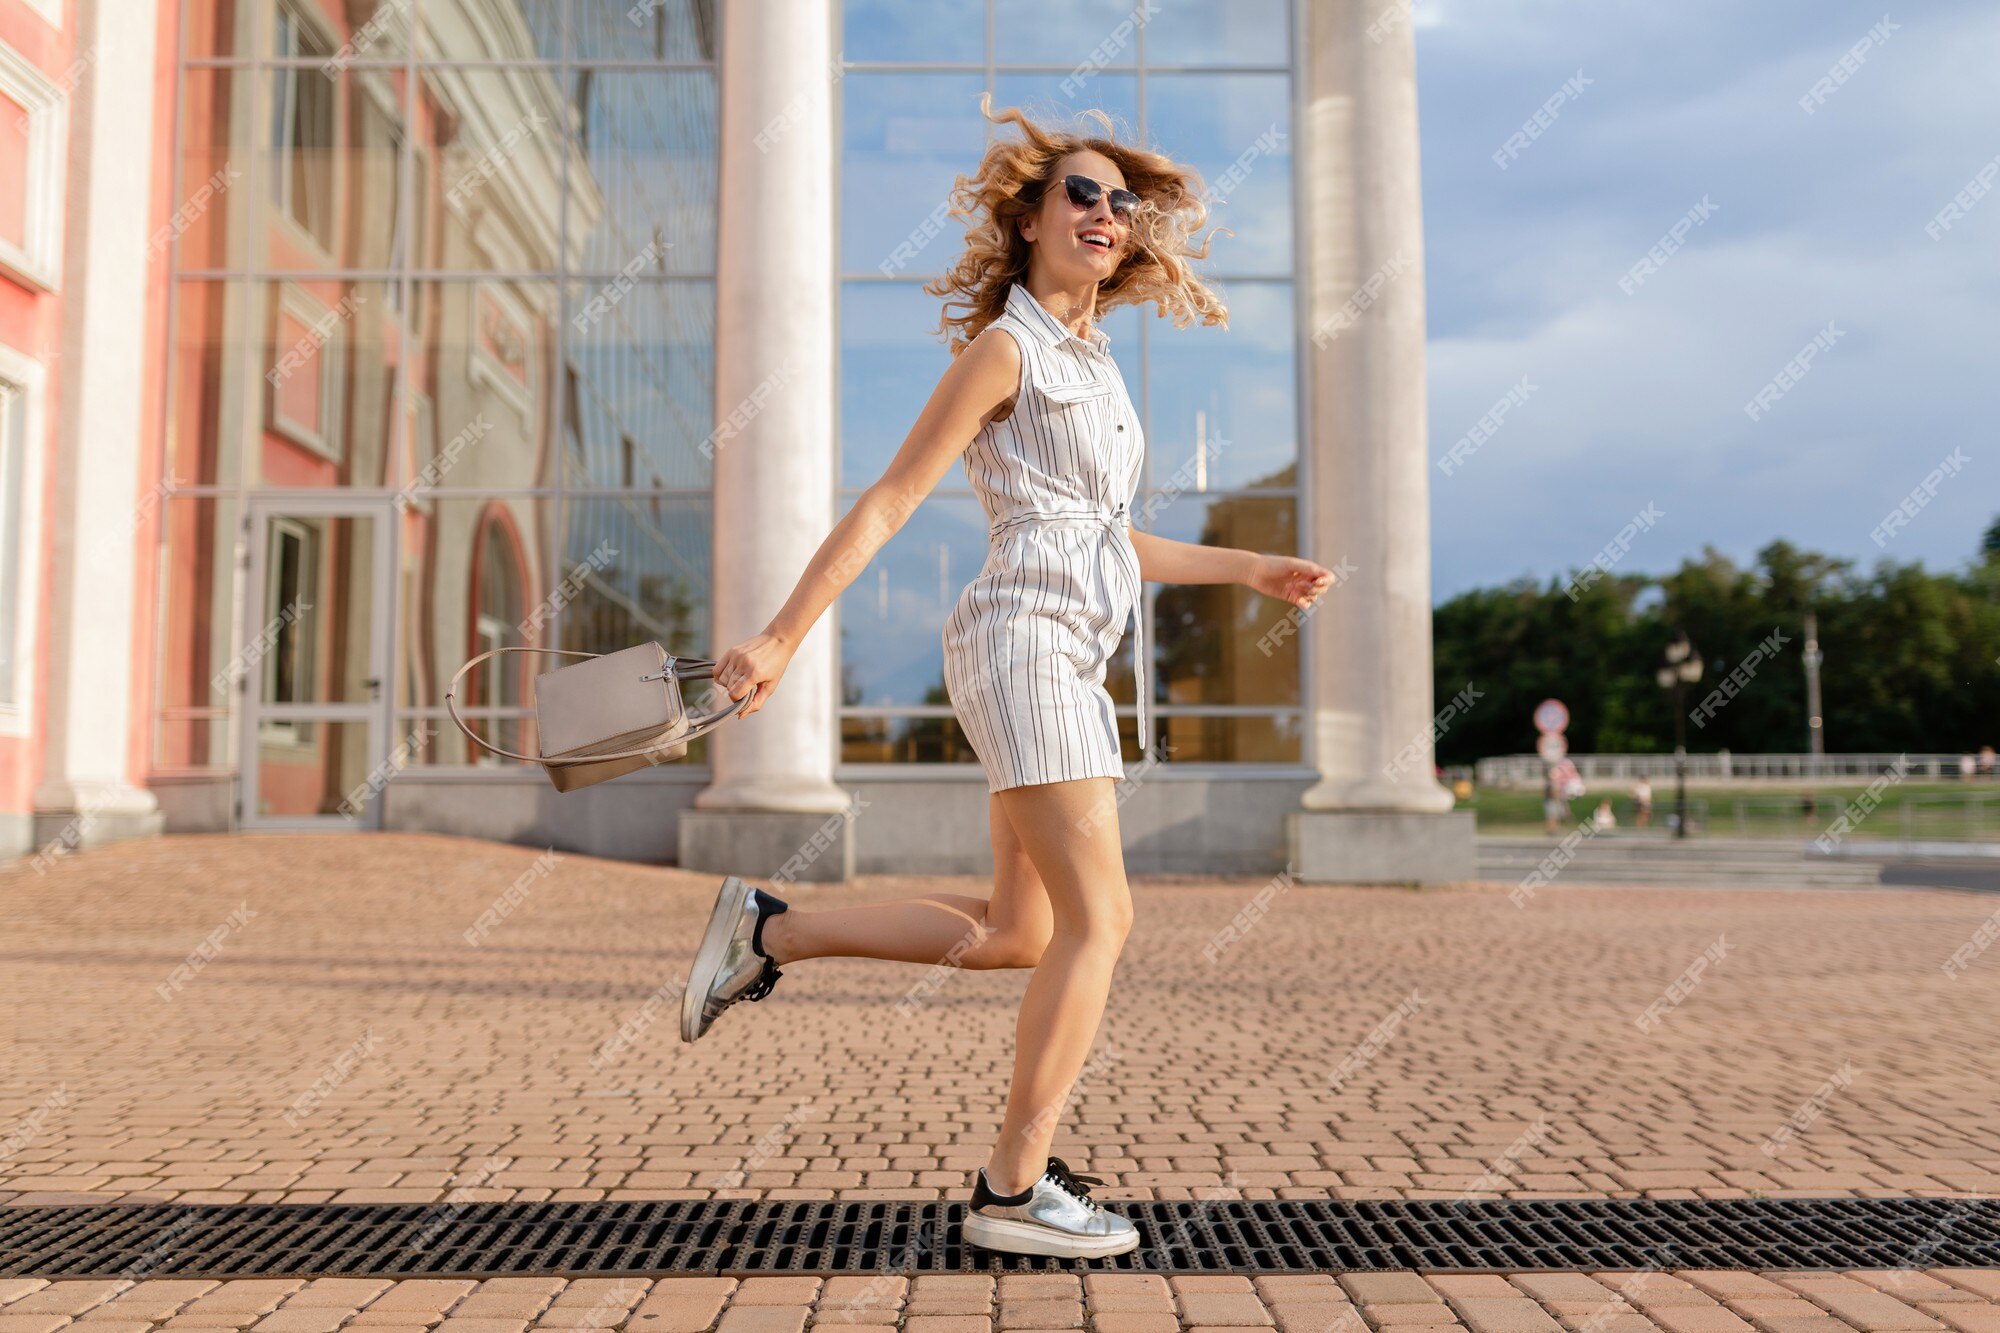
(73, 816)
(1382, 846)
(769, 844)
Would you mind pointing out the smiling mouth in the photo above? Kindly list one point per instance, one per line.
(1097, 240)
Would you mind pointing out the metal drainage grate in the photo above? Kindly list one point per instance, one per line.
(742, 1236)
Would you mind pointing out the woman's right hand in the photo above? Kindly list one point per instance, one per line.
(751, 669)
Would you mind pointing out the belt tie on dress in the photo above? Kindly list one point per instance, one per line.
(1111, 517)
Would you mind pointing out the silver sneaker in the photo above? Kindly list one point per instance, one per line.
(726, 968)
(1058, 1217)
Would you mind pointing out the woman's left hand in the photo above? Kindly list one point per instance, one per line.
(1290, 578)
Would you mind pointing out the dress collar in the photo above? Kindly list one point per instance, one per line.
(1054, 332)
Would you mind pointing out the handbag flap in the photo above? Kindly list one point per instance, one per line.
(602, 703)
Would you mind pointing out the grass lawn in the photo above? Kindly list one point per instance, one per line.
(1925, 810)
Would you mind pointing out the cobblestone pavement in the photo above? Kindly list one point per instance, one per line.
(416, 1017)
(1695, 1301)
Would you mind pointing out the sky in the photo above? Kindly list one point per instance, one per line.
(1633, 409)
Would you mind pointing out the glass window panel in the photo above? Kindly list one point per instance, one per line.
(222, 29)
(641, 29)
(1058, 100)
(1237, 739)
(474, 575)
(192, 742)
(491, 153)
(483, 385)
(639, 389)
(1080, 33)
(642, 172)
(210, 228)
(933, 31)
(436, 741)
(1221, 643)
(197, 615)
(907, 740)
(891, 357)
(1236, 130)
(308, 634)
(635, 569)
(892, 616)
(904, 138)
(14, 555)
(213, 409)
(311, 768)
(346, 30)
(508, 30)
(322, 408)
(1222, 403)
(329, 181)
(1202, 32)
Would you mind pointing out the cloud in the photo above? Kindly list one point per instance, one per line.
(1817, 218)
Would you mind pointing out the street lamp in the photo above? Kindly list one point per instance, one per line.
(1681, 669)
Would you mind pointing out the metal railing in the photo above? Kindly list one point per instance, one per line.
(1526, 770)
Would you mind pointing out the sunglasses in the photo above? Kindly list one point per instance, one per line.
(1085, 191)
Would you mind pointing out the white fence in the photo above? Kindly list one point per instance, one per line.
(1525, 770)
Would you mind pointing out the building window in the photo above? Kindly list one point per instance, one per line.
(481, 256)
(32, 143)
(13, 502)
(290, 665)
(1212, 86)
(301, 142)
(22, 431)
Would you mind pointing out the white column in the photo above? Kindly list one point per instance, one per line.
(93, 662)
(1371, 636)
(774, 476)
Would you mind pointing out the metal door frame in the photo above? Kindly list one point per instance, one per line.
(254, 711)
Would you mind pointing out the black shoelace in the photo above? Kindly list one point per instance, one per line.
(1069, 1180)
(766, 979)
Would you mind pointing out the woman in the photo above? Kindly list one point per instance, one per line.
(1064, 228)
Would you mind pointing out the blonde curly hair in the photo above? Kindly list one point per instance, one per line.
(1009, 185)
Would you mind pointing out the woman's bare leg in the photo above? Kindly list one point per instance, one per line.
(1010, 929)
(1070, 832)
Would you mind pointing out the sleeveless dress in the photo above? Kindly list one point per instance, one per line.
(1028, 641)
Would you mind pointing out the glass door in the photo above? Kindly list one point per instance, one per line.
(313, 660)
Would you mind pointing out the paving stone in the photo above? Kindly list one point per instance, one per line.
(1390, 1289)
(1133, 1322)
(1872, 1311)
(1966, 1318)
(1567, 1287)
(767, 1318)
(1383, 1314)
(1486, 1314)
(799, 1291)
(65, 1298)
(1220, 1308)
(1040, 1313)
(32, 1323)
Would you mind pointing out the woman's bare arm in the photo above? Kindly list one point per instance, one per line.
(1162, 560)
(971, 391)
(1290, 578)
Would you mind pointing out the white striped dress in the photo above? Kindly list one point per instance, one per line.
(1027, 644)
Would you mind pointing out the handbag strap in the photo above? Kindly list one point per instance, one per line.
(698, 668)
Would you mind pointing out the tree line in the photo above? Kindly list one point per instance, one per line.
(1910, 658)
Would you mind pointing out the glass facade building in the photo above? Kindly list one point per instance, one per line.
(365, 337)
(443, 352)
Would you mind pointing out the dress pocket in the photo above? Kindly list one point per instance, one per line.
(1073, 391)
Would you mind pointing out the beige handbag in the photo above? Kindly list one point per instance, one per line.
(589, 715)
